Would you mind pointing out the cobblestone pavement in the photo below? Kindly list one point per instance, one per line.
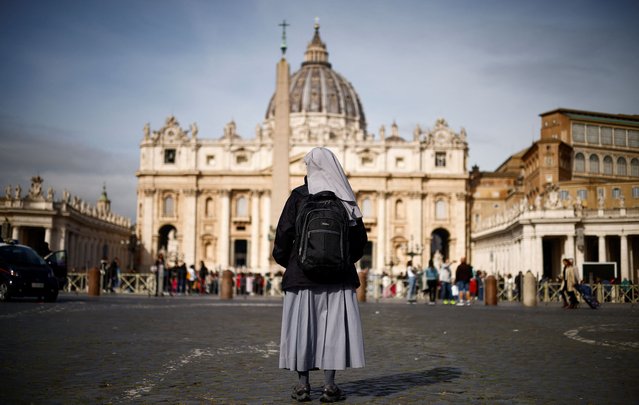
(200, 350)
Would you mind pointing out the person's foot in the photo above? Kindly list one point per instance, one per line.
(332, 393)
(301, 392)
(460, 304)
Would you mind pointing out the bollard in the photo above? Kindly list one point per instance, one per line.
(226, 290)
(93, 281)
(490, 291)
(361, 290)
(530, 290)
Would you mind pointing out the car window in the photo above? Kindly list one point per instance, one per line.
(20, 255)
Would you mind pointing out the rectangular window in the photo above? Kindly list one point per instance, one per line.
(616, 192)
(620, 137)
(210, 160)
(601, 192)
(633, 138)
(635, 192)
(440, 159)
(606, 136)
(582, 194)
(169, 156)
(592, 133)
(399, 162)
(578, 133)
(564, 195)
(241, 159)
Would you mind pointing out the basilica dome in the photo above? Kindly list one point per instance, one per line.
(317, 88)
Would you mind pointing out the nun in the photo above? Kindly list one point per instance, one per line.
(321, 326)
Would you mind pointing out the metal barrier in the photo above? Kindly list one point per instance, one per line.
(144, 283)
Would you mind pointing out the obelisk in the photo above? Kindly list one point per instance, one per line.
(280, 178)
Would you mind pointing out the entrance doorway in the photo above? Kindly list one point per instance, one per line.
(167, 240)
(439, 241)
(552, 250)
(240, 250)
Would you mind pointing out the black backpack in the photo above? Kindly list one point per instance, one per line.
(321, 229)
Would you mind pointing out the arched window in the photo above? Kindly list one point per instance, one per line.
(634, 167)
(607, 165)
(367, 207)
(241, 208)
(399, 209)
(208, 250)
(168, 207)
(622, 167)
(594, 164)
(441, 210)
(208, 208)
(580, 163)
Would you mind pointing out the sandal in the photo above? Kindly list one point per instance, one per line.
(301, 392)
(332, 393)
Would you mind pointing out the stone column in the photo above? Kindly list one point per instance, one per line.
(47, 237)
(255, 234)
(147, 226)
(62, 238)
(188, 247)
(625, 268)
(569, 248)
(538, 268)
(527, 251)
(265, 251)
(382, 246)
(414, 215)
(602, 247)
(460, 228)
(15, 232)
(225, 217)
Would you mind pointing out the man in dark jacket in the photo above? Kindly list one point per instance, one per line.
(463, 274)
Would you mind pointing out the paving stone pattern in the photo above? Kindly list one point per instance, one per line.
(200, 350)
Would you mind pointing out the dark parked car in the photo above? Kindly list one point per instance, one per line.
(23, 273)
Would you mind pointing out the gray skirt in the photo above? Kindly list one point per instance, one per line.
(321, 329)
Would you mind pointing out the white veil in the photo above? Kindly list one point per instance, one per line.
(325, 173)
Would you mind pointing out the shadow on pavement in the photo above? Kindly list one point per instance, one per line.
(391, 384)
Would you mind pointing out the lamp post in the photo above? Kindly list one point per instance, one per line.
(412, 249)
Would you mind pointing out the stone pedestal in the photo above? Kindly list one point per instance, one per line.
(490, 290)
(93, 281)
(363, 285)
(529, 290)
(226, 288)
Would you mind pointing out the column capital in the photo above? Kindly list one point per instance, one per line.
(149, 192)
(190, 192)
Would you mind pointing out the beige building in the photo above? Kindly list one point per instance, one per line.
(87, 232)
(573, 193)
(216, 200)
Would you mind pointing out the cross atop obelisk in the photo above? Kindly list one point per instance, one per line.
(283, 24)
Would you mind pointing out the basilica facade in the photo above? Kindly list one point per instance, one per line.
(214, 199)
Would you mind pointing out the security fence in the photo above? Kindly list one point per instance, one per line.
(145, 283)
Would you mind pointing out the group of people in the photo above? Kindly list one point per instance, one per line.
(110, 272)
(459, 288)
(181, 280)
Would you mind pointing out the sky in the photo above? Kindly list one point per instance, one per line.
(80, 79)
